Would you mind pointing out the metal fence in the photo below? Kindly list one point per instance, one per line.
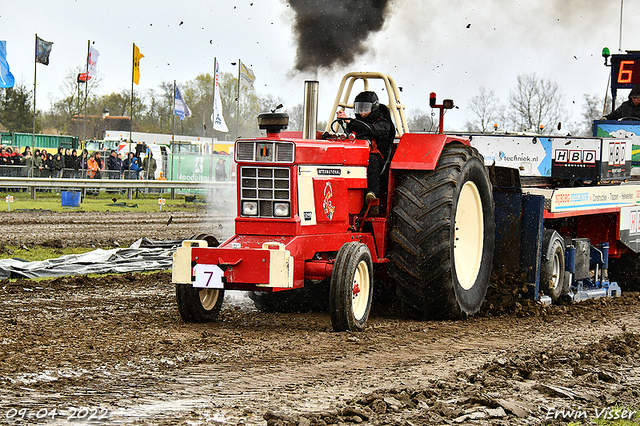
(17, 183)
(24, 171)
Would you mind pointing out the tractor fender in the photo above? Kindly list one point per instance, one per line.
(421, 151)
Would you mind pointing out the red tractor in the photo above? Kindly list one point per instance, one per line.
(303, 220)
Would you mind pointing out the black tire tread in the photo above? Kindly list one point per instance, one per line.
(190, 307)
(420, 238)
(188, 297)
(625, 271)
(551, 243)
(313, 297)
(347, 260)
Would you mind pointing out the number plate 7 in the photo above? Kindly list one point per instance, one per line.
(208, 276)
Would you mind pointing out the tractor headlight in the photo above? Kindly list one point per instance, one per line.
(250, 208)
(281, 209)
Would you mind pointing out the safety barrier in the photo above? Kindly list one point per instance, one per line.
(24, 171)
(33, 184)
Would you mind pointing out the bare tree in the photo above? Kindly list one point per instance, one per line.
(72, 102)
(591, 110)
(486, 111)
(420, 121)
(296, 117)
(535, 104)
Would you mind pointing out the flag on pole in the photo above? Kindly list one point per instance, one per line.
(6, 78)
(43, 49)
(217, 118)
(180, 106)
(247, 77)
(91, 65)
(136, 64)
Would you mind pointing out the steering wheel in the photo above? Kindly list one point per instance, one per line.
(341, 124)
(629, 119)
(358, 126)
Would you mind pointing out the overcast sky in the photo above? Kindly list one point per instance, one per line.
(451, 47)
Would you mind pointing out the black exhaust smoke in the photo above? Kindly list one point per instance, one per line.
(334, 32)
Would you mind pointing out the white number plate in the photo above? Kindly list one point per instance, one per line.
(208, 276)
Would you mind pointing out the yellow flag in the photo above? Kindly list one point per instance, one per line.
(136, 64)
(247, 77)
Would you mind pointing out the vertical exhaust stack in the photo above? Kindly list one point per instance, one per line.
(310, 119)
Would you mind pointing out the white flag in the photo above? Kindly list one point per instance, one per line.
(247, 77)
(91, 65)
(180, 107)
(217, 118)
(93, 61)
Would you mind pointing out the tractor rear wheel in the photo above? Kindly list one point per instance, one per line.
(625, 271)
(351, 288)
(442, 236)
(314, 297)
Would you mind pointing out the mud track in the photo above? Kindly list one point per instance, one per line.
(88, 229)
(116, 345)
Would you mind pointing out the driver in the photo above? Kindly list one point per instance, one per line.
(378, 128)
(630, 108)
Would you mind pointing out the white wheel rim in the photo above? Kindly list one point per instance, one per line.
(468, 235)
(209, 298)
(360, 290)
(556, 273)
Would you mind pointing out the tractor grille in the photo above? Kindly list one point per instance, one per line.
(266, 187)
(264, 151)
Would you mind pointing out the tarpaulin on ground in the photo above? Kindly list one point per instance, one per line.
(143, 255)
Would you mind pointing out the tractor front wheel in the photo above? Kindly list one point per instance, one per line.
(198, 305)
(351, 288)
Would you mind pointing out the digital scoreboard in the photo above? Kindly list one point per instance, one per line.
(625, 71)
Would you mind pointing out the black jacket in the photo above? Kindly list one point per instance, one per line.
(69, 162)
(381, 128)
(627, 109)
(114, 163)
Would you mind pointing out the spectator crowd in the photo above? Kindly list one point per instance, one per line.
(68, 163)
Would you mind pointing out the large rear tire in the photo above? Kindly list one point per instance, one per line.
(351, 288)
(626, 271)
(314, 297)
(442, 236)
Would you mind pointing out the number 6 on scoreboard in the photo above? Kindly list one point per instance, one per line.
(625, 75)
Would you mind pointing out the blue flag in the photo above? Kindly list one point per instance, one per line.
(6, 78)
(180, 106)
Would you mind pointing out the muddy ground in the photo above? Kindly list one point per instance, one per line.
(98, 229)
(117, 347)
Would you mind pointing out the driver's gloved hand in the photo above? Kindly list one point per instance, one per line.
(360, 128)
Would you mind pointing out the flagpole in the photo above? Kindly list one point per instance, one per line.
(86, 83)
(78, 107)
(181, 130)
(173, 125)
(238, 103)
(620, 37)
(33, 135)
(133, 61)
(213, 116)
